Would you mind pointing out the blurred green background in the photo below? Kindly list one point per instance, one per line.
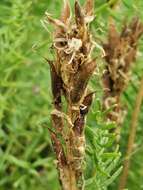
(26, 155)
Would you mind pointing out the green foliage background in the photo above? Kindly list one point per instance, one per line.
(26, 155)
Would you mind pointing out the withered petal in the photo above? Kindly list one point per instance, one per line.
(81, 79)
(58, 149)
(56, 83)
(113, 35)
(66, 12)
(79, 17)
(57, 23)
(89, 7)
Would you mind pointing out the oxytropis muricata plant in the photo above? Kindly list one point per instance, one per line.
(70, 73)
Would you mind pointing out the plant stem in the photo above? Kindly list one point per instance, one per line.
(132, 136)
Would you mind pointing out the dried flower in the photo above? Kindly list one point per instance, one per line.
(121, 51)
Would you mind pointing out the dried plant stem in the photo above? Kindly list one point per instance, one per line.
(70, 73)
(132, 136)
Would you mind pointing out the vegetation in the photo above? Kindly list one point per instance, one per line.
(27, 158)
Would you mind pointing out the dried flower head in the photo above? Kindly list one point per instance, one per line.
(73, 45)
(121, 51)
